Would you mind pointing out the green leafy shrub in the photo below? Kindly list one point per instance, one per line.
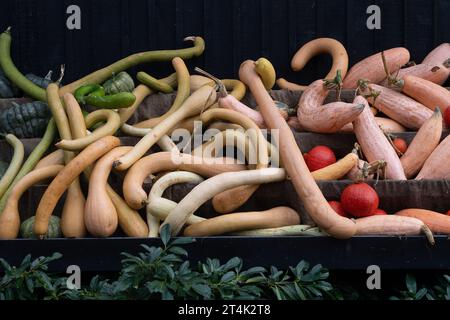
(165, 273)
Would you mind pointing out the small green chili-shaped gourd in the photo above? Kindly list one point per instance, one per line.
(94, 95)
(121, 82)
(154, 83)
(82, 92)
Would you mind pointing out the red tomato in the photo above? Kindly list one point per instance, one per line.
(400, 144)
(360, 200)
(447, 117)
(379, 212)
(319, 157)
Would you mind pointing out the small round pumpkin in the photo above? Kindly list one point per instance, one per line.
(121, 82)
(54, 228)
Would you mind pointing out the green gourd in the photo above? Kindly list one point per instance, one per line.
(54, 228)
(27, 120)
(121, 82)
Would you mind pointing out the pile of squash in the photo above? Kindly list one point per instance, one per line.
(83, 120)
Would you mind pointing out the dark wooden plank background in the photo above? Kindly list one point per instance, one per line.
(234, 30)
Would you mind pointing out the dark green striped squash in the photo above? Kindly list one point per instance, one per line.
(27, 120)
(54, 228)
(121, 82)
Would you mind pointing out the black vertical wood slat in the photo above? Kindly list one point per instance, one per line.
(219, 38)
(359, 38)
(274, 37)
(443, 22)
(330, 23)
(435, 21)
(125, 19)
(247, 32)
(6, 14)
(179, 19)
(106, 32)
(420, 27)
(391, 33)
(165, 35)
(189, 23)
(405, 23)
(139, 20)
(47, 37)
(77, 49)
(302, 28)
(151, 23)
(233, 30)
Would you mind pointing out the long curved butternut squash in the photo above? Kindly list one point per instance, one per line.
(394, 225)
(307, 189)
(240, 221)
(209, 188)
(100, 214)
(65, 177)
(437, 165)
(135, 195)
(10, 218)
(232, 199)
(374, 143)
(318, 46)
(159, 208)
(312, 48)
(437, 222)
(72, 223)
(426, 92)
(55, 157)
(423, 144)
